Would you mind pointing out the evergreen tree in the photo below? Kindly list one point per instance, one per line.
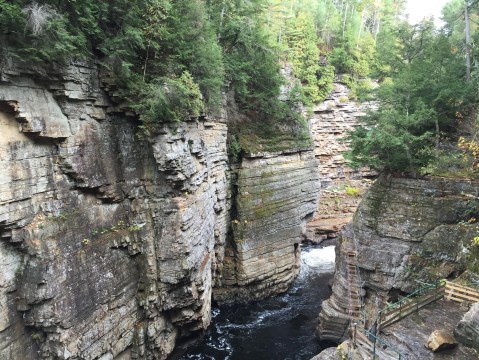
(305, 57)
(418, 104)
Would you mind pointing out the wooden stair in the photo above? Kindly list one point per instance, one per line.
(355, 300)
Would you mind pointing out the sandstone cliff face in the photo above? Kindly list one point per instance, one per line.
(342, 187)
(110, 245)
(404, 230)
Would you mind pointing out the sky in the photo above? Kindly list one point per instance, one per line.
(418, 9)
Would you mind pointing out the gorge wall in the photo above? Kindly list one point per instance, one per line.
(404, 231)
(341, 186)
(113, 246)
(275, 197)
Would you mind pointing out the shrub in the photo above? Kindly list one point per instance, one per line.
(169, 100)
(234, 147)
(449, 163)
(352, 191)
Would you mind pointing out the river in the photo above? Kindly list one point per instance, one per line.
(279, 328)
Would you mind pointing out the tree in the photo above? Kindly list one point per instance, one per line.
(461, 17)
(304, 55)
(417, 104)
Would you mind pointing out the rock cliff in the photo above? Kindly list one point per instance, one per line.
(275, 197)
(110, 244)
(467, 331)
(342, 187)
(405, 231)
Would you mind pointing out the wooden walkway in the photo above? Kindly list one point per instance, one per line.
(460, 293)
(369, 339)
(408, 305)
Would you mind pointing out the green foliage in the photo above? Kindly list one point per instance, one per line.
(170, 100)
(192, 45)
(134, 228)
(172, 59)
(392, 141)
(234, 147)
(304, 55)
(471, 211)
(449, 163)
(364, 90)
(253, 73)
(352, 191)
(418, 104)
(38, 336)
(355, 60)
(251, 60)
(36, 32)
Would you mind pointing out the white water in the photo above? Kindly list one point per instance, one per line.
(318, 260)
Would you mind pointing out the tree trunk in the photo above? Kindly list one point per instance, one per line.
(222, 15)
(344, 19)
(468, 42)
(437, 133)
(361, 27)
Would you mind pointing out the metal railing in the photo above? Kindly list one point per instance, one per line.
(405, 303)
(377, 341)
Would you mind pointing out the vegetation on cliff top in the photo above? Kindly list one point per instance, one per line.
(172, 59)
(426, 119)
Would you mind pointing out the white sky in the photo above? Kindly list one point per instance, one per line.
(419, 9)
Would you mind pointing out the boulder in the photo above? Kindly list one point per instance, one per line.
(441, 340)
(467, 331)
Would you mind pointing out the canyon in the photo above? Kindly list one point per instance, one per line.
(114, 246)
(341, 186)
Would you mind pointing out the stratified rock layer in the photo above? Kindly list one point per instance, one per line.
(110, 244)
(275, 197)
(342, 187)
(405, 230)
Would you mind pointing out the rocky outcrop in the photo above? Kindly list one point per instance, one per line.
(467, 331)
(441, 340)
(405, 230)
(110, 244)
(410, 335)
(341, 186)
(275, 197)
